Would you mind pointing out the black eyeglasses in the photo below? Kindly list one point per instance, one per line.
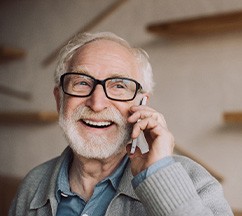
(115, 88)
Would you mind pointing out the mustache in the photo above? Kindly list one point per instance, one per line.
(109, 114)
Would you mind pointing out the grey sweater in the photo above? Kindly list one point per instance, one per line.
(183, 188)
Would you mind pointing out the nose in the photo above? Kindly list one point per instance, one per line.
(97, 101)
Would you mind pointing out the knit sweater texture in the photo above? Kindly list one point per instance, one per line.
(182, 189)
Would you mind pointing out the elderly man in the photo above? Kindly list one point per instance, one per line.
(100, 82)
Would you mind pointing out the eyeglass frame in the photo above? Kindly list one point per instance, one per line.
(102, 83)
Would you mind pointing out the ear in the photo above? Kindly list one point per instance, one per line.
(56, 93)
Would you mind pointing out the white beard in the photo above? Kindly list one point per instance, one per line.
(95, 146)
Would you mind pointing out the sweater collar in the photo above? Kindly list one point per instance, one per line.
(125, 186)
(47, 187)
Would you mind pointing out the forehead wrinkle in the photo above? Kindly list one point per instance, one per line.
(83, 69)
(83, 54)
(78, 68)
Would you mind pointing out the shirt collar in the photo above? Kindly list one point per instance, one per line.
(116, 176)
(46, 189)
(62, 185)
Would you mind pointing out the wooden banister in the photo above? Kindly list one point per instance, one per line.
(218, 23)
(28, 117)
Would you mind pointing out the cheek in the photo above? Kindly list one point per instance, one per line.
(124, 108)
(70, 104)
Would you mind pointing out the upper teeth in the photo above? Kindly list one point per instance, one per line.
(97, 123)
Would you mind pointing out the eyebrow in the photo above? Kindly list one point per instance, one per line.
(81, 69)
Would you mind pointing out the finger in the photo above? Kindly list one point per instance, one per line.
(140, 107)
(143, 111)
(147, 124)
(144, 114)
(152, 132)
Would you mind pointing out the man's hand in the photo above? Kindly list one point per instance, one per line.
(159, 139)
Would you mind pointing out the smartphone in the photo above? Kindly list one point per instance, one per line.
(134, 141)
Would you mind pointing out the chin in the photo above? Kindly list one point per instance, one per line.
(98, 147)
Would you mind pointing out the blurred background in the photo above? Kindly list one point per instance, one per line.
(195, 48)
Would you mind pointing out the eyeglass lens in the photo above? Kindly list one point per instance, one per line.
(115, 88)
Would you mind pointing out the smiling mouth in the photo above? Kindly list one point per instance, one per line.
(95, 124)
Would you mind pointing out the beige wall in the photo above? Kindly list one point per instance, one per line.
(197, 79)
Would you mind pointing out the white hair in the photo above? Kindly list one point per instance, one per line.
(81, 39)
